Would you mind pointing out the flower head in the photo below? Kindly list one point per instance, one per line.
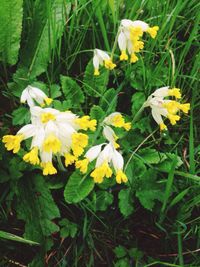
(129, 38)
(101, 58)
(32, 94)
(162, 107)
(108, 160)
(53, 133)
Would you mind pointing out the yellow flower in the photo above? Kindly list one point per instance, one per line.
(101, 58)
(32, 156)
(12, 142)
(85, 123)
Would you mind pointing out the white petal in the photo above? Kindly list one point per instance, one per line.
(126, 23)
(142, 24)
(102, 54)
(156, 115)
(109, 134)
(27, 130)
(93, 152)
(45, 156)
(117, 160)
(38, 139)
(96, 62)
(122, 41)
(161, 92)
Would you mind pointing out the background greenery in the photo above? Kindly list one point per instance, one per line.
(66, 220)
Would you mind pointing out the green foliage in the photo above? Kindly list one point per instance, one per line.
(77, 188)
(95, 85)
(102, 200)
(114, 224)
(38, 214)
(72, 92)
(126, 202)
(16, 238)
(149, 190)
(67, 228)
(21, 116)
(11, 13)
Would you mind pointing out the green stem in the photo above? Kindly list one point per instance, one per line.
(60, 164)
(137, 115)
(114, 45)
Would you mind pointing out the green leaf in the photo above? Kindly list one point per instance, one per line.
(120, 251)
(55, 91)
(16, 238)
(68, 228)
(151, 156)
(77, 188)
(137, 100)
(109, 98)
(125, 202)
(135, 168)
(21, 116)
(122, 263)
(37, 208)
(166, 164)
(97, 113)
(72, 91)
(149, 189)
(95, 85)
(103, 200)
(47, 28)
(10, 30)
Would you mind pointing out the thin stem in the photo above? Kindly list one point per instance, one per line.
(115, 44)
(60, 164)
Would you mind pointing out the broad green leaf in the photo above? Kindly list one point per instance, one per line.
(16, 238)
(72, 91)
(137, 100)
(95, 85)
(109, 100)
(21, 116)
(10, 30)
(103, 200)
(97, 113)
(47, 28)
(120, 251)
(125, 202)
(77, 188)
(151, 155)
(166, 164)
(125, 262)
(135, 168)
(68, 228)
(149, 189)
(37, 208)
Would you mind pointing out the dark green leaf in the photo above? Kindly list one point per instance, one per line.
(21, 116)
(126, 202)
(77, 188)
(95, 85)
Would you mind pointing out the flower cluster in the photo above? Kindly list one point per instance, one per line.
(161, 105)
(53, 133)
(108, 159)
(129, 40)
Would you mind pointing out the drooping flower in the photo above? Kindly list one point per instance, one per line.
(166, 107)
(108, 160)
(101, 58)
(116, 119)
(53, 133)
(129, 38)
(32, 94)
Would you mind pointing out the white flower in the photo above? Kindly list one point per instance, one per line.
(102, 58)
(32, 94)
(129, 36)
(53, 133)
(166, 107)
(106, 160)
